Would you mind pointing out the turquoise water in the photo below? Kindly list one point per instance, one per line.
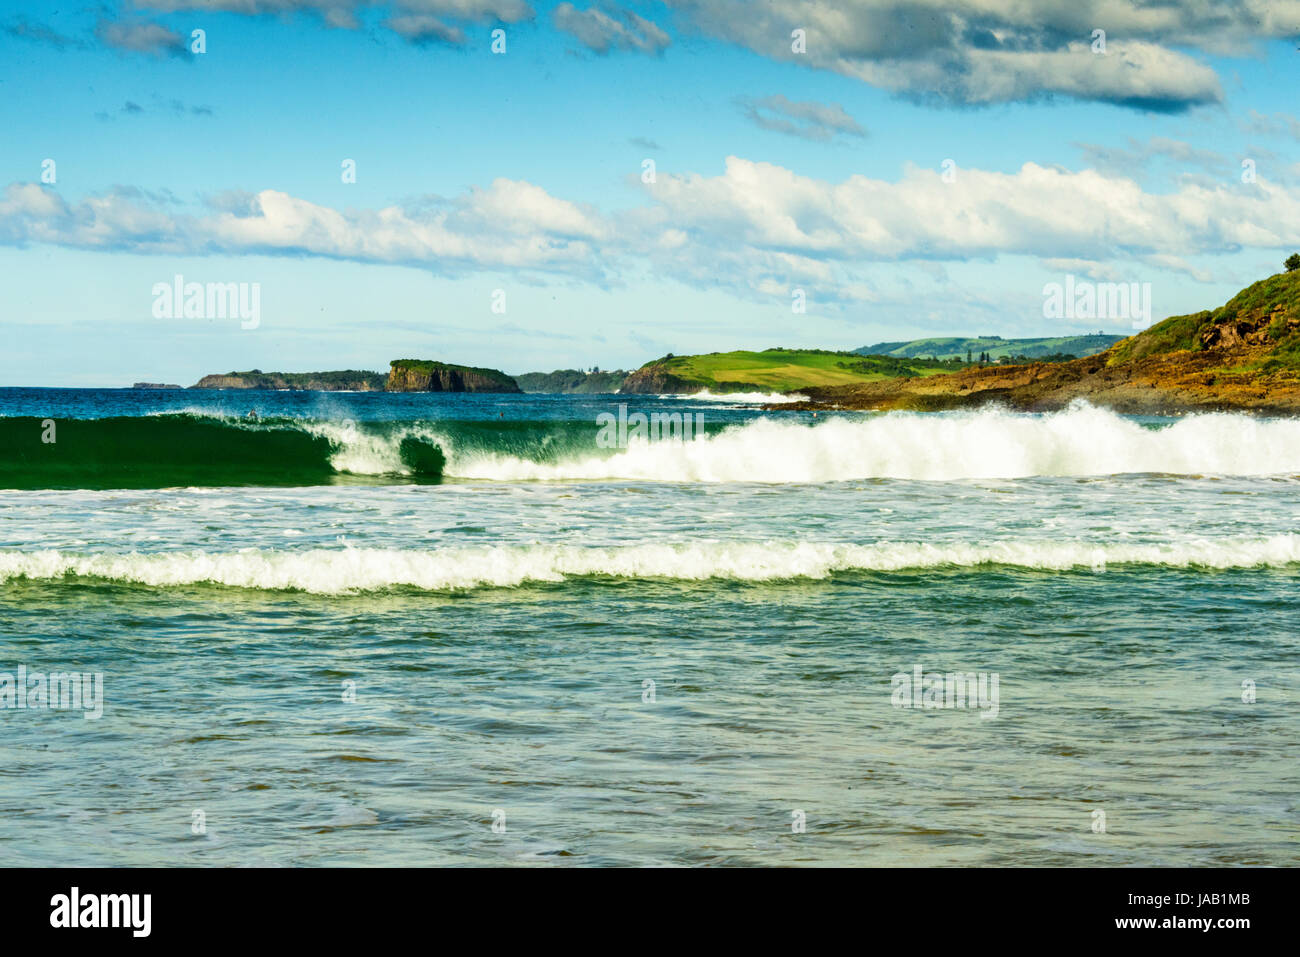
(499, 623)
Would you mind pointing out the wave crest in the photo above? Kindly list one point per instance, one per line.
(986, 444)
(339, 571)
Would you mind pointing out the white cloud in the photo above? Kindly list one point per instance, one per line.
(140, 37)
(1130, 74)
(1038, 210)
(420, 28)
(806, 118)
(509, 225)
(507, 10)
(419, 21)
(1279, 124)
(754, 227)
(1134, 159)
(964, 52)
(611, 28)
(987, 51)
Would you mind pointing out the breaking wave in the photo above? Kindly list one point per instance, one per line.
(192, 448)
(340, 571)
(996, 444)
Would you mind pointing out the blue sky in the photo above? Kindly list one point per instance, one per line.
(522, 172)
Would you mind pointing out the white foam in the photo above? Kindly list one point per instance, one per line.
(1082, 440)
(360, 451)
(739, 398)
(337, 571)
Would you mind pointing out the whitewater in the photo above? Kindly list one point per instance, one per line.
(356, 569)
(1082, 440)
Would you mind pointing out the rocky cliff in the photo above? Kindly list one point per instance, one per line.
(421, 375)
(654, 378)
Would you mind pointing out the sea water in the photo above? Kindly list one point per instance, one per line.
(448, 629)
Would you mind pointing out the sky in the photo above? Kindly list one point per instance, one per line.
(617, 181)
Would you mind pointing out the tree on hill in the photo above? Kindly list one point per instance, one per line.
(1292, 262)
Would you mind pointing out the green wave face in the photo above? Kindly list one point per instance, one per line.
(185, 450)
(188, 449)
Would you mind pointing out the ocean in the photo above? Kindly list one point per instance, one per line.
(421, 629)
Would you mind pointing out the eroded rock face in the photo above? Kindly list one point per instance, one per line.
(439, 377)
(1241, 334)
(655, 379)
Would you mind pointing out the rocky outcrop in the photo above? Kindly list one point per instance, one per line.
(154, 385)
(653, 378)
(406, 375)
(421, 375)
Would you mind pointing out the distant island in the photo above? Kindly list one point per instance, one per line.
(347, 380)
(422, 375)
(404, 375)
(154, 385)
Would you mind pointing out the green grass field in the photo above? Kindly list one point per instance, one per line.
(786, 370)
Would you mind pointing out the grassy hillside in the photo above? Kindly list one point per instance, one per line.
(1244, 355)
(995, 346)
(775, 370)
(1257, 330)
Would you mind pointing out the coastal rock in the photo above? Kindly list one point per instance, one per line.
(420, 375)
(653, 378)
